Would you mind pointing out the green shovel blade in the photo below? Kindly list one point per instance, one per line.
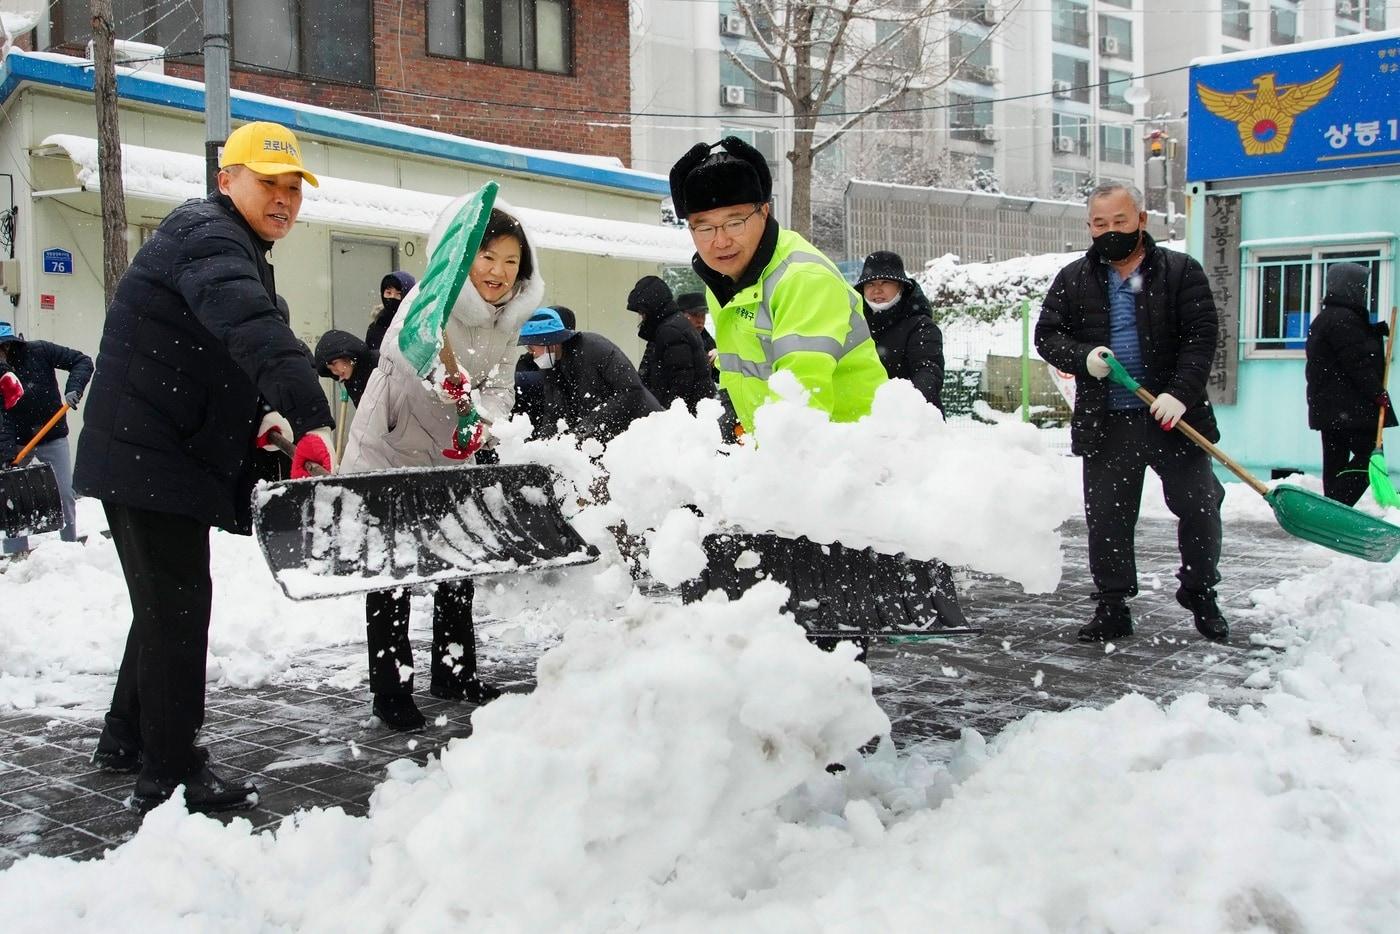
(1332, 524)
(421, 336)
(1381, 486)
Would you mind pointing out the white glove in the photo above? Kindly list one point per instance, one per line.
(1095, 364)
(1168, 410)
(273, 421)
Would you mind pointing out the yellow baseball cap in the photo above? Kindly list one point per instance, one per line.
(266, 148)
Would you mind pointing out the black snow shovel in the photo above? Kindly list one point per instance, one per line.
(351, 533)
(29, 500)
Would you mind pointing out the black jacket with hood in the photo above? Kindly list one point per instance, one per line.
(336, 344)
(192, 350)
(1177, 327)
(33, 363)
(1346, 357)
(594, 389)
(674, 364)
(909, 342)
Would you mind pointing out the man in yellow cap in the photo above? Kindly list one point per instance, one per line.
(195, 370)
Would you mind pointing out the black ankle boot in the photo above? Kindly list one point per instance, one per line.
(476, 691)
(1209, 620)
(205, 792)
(1112, 620)
(398, 712)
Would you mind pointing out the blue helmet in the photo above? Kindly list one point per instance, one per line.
(545, 327)
(8, 334)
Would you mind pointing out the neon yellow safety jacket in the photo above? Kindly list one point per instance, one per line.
(799, 316)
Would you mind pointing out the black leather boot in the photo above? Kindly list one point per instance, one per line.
(1112, 620)
(1209, 620)
(398, 712)
(205, 792)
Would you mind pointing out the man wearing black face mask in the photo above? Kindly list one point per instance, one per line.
(392, 290)
(1151, 309)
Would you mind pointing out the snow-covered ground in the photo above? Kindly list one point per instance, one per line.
(667, 772)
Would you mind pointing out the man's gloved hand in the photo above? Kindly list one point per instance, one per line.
(1095, 363)
(471, 436)
(314, 447)
(1383, 400)
(70, 399)
(1382, 328)
(1168, 409)
(272, 421)
(11, 390)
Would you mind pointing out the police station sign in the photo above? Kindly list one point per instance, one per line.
(1315, 109)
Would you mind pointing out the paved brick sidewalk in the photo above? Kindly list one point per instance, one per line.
(311, 743)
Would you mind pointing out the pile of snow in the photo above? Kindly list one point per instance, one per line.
(900, 480)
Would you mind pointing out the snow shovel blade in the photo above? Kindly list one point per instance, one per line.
(834, 589)
(351, 533)
(1381, 487)
(1332, 524)
(422, 334)
(29, 501)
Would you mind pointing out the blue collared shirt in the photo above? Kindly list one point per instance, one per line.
(1123, 336)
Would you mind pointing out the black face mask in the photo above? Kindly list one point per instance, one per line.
(1116, 246)
(391, 305)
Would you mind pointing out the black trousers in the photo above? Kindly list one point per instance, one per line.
(158, 703)
(391, 653)
(1113, 478)
(1345, 456)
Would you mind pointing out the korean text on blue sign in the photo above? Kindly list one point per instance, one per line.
(1313, 110)
(58, 262)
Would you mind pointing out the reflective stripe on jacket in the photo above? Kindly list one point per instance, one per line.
(800, 316)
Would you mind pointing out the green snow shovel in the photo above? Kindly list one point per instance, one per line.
(1301, 513)
(1381, 487)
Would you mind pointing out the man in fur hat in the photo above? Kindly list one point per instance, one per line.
(778, 303)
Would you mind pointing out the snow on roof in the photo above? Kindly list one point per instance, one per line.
(1277, 50)
(166, 90)
(175, 177)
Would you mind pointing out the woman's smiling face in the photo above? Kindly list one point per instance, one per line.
(496, 266)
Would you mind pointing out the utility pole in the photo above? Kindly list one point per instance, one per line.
(109, 148)
(216, 108)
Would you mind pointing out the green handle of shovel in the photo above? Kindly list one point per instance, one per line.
(1121, 376)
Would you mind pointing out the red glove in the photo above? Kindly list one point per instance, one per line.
(11, 390)
(457, 389)
(1382, 400)
(272, 423)
(314, 447)
(469, 438)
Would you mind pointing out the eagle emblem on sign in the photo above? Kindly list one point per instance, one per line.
(1264, 116)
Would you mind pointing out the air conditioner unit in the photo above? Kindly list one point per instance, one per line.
(988, 134)
(137, 56)
(1065, 144)
(989, 14)
(1108, 45)
(1060, 87)
(732, 95)
(732, 24)
(991, 75)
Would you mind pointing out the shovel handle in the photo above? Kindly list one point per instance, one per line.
(1124, 379)
(1385, 380)
(289, 449)
(34, 441)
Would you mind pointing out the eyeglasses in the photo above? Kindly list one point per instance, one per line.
(706, 232)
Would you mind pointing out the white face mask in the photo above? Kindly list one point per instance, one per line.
(883, 306)
(545, 361)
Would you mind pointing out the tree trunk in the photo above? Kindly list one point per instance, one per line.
(800, 209)
(109, 150)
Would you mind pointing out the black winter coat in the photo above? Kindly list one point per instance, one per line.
(379, 326)
(674, 365)
(910, 343)
(335, 344)
(192, 350)
(1177, 327)
(33, 363)
(1346, 365)
(594, 389)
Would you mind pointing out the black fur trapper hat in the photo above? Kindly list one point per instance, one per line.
(717, 175)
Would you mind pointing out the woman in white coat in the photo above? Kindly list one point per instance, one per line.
(403, 421)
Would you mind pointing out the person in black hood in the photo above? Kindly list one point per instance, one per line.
(1345, 369)
(588, 380)
(345, 358)
(901, 321)
(675, 364)
(34, 363)
(392, 290)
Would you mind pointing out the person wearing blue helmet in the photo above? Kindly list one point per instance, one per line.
(589, 384)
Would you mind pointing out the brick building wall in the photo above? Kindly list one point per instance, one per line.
(511, 97)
